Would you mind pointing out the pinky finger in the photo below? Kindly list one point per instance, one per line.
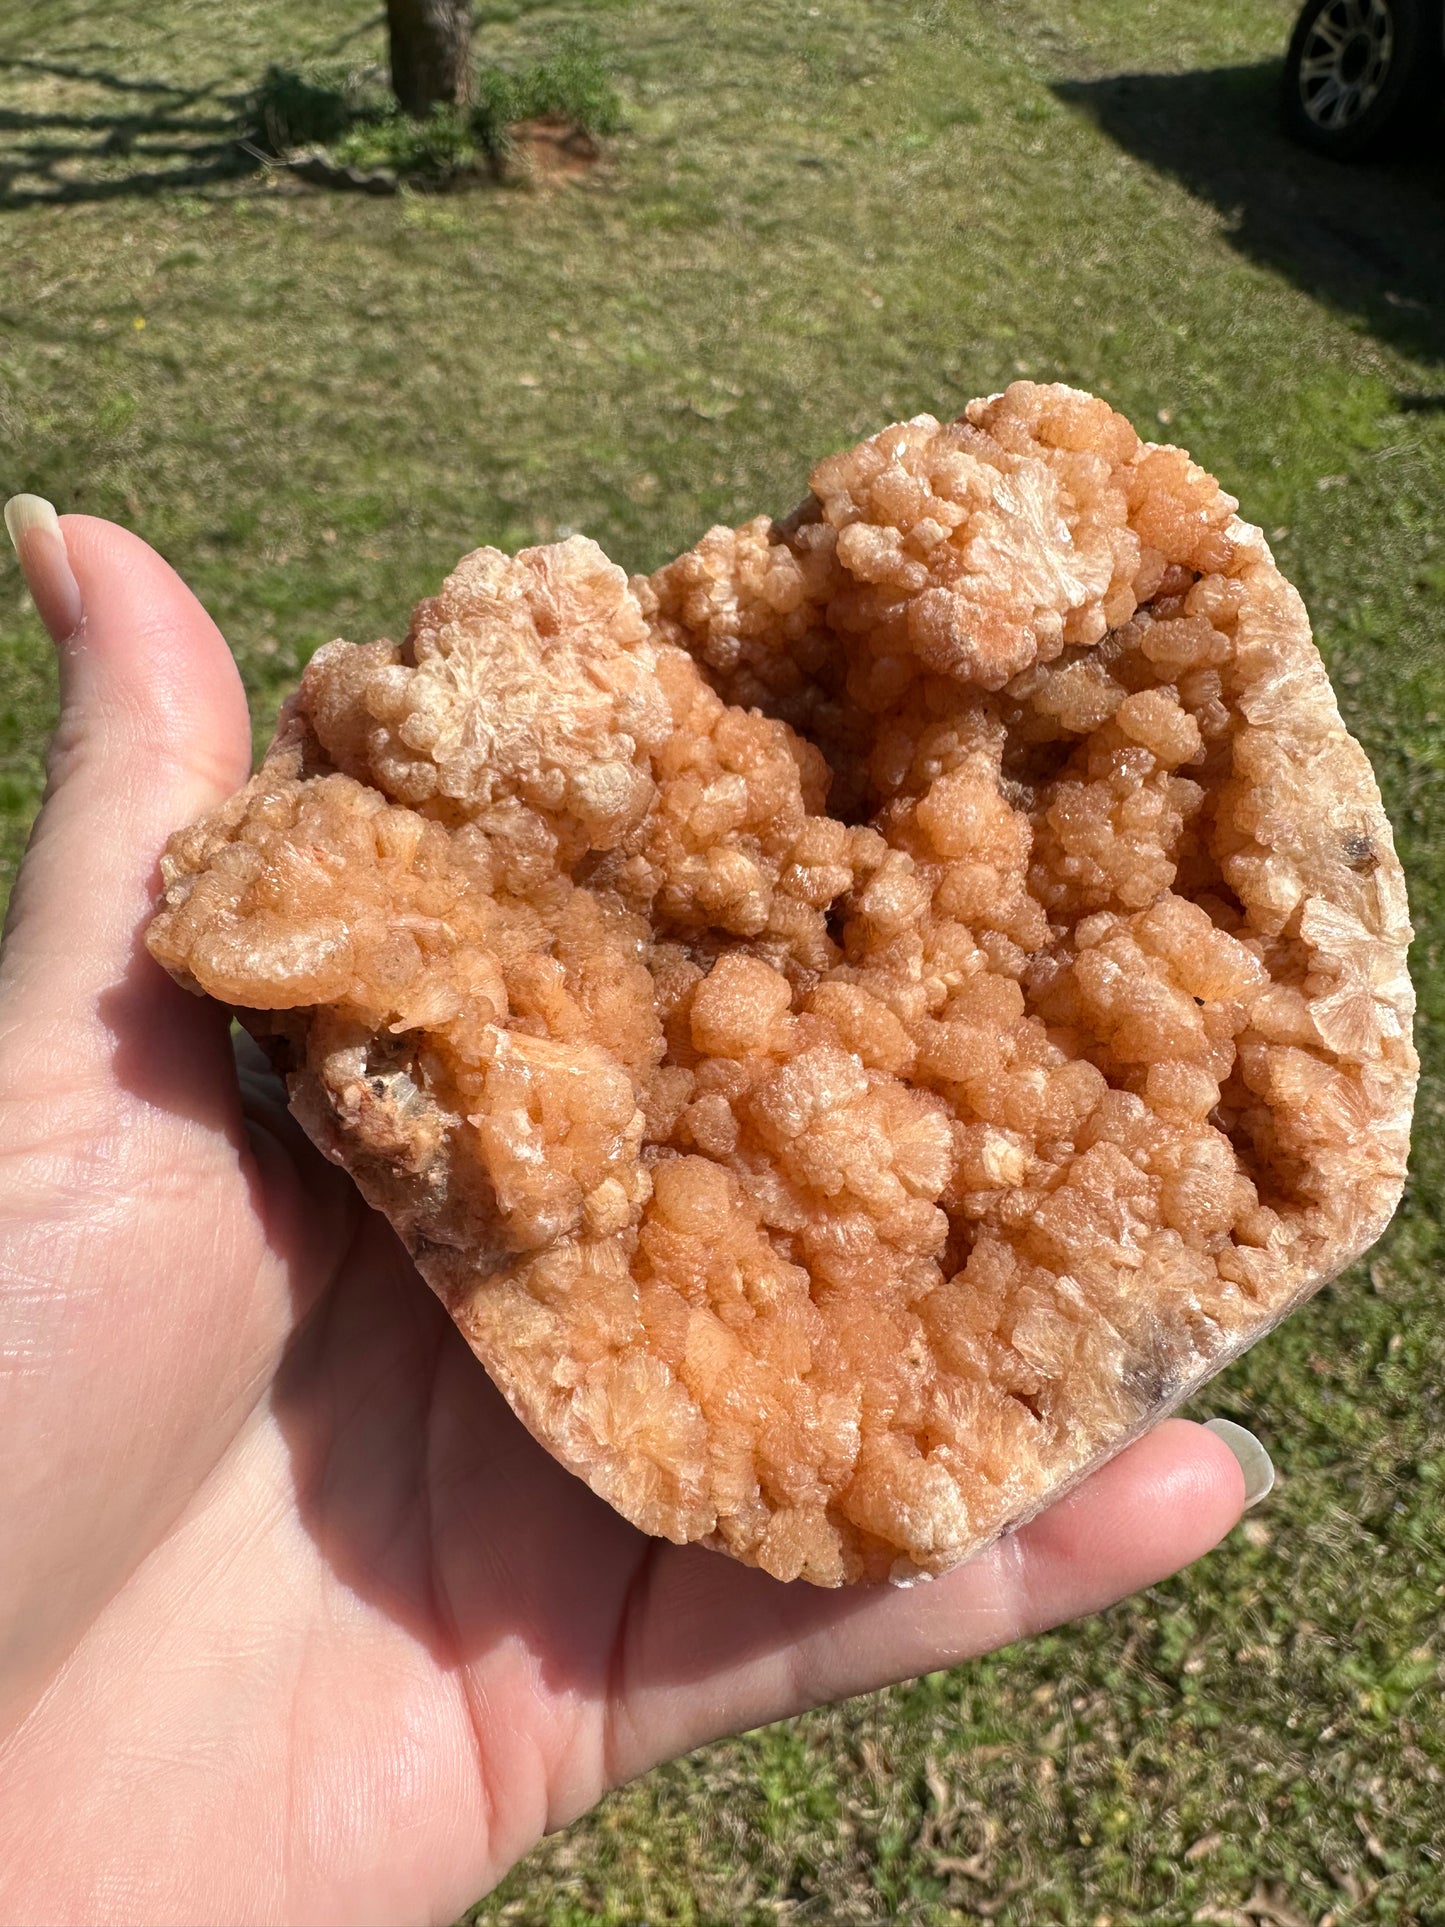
(722, 1648)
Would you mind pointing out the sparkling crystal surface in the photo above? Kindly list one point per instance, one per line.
(855, 1025)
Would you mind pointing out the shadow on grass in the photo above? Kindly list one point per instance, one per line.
(1364, 238)
(331, 126)
(57, 156)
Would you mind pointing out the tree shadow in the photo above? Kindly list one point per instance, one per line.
(54, 156)
(1364, 238)
(198, 133)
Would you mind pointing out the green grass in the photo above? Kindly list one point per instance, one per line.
(352, 113)
(817, 219)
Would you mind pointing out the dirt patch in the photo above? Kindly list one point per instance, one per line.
(552, 148)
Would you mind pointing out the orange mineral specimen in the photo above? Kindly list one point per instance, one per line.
(857, 1025)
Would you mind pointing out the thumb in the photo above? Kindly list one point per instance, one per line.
(153, 730)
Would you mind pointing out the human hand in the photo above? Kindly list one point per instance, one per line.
(297, 1623)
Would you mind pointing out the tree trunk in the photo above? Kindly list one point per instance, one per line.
(431, 53)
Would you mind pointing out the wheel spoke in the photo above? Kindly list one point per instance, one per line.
(1346, 107)
(1322, 107)
(1325, 32)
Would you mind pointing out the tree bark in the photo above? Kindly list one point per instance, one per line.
(431, 53)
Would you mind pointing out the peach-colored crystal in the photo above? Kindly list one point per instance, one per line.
(858, 1024)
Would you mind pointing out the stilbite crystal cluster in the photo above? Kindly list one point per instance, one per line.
(858, 1024)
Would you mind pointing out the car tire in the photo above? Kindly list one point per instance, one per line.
(1362, 77)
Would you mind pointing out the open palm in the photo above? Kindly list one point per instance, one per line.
(296, 1621)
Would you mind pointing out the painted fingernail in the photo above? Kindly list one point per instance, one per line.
(40, 544)
(1254, 1462)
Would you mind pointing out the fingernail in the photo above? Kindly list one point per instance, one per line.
(1254, 1462)
(40, 544)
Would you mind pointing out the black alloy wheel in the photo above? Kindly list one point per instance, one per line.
(1362, 75)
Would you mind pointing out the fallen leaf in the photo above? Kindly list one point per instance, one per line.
(1272, 1904)
(1203, 1847)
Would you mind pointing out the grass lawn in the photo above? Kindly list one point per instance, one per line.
(821, 218)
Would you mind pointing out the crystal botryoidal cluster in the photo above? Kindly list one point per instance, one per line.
(855, 1025)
